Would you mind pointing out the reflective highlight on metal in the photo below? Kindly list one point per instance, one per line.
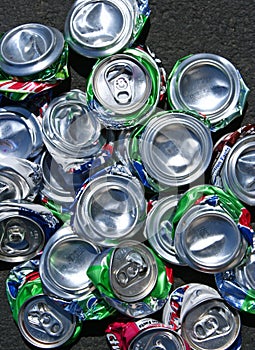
(158, 229)
(208, 84)
(175, 148)
(238, 170)
(101, 28)
(110, 208)
(124, 88)
(19, 179)
(157, 338)
(133, 271)
(16, 125)
(208, 239)
(71, 131)
(64, 263)
(245, 274)
(29, 49)
(45, 324)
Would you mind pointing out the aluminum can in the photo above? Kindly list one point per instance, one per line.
(71, 132)
(124, 88)
(210, 85)
(64, 263)
(131, 278)
(16, 125)
(118, 24)
(204, 230)
(158, 229)
(201, 316)
(170, 150)
(20, 179)
(25, 228)
(233, 161)
(110, 207)
(33, 60)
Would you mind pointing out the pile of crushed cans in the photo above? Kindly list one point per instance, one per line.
(105, 191)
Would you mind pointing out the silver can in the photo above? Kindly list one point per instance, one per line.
(208, 322)
(157, 337)
(109, 209)
(100, 28)
(16, 125)
(244, 274)
(210, 85)
(174, 148)
(133, 271)
(124, 88)
(158, 229)
(29, 49)
(209, 240)
(44, 324)
(64, 263)
(71, 132)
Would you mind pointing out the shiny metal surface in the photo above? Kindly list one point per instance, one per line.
(100, 28)
(245, 273)
(44, 324)
(157, 338)
(133, 271)
(21, 238)
(208, 239)
(206, 83)
(238, 172)
(158, 229)
(29, 49)
(64, 263)
(175, 148)
(121, 84)
(111, 208)
(211, 325)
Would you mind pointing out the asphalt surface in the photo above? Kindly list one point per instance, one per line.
(177, 28)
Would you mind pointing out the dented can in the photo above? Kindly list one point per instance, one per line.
(124, 89)
(118, 24)
(210, 85)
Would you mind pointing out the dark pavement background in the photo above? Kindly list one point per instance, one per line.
(177, 28)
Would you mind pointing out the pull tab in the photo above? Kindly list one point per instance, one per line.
(14, 238)
(119, 79)
(206, 327)
(135, 268)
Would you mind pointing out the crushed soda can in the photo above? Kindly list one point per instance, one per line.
(210, 85)
(25, 228)
(118, 24)
(211, 229)
(124, 89)
(20, 179)
(170, 150)
(16, 125)
(158, 228)
(71, 132)
(41, 321)
(146, 333)
(203, 318)
(233, 162)
(33, 60)
(110, 207)
(131, 278)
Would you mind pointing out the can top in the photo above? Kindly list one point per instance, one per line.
(238, 170)
(64, 263)
(211, 325)
(133, 271)
(29, 49)
(158, 229)
(206, 83)
(157, 337)
(121, 84)
(175, 148)
(44, 324)
(245, 273)
(99, 28)
(208, 239)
